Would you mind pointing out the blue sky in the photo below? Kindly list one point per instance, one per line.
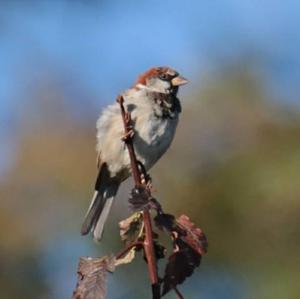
(105, 45)
(100, 46)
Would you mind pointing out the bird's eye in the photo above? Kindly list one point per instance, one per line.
(163, 76)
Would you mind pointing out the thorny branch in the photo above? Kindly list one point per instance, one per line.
(189, 242)
(137, 175)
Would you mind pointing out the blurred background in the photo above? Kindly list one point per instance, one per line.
(234, 166)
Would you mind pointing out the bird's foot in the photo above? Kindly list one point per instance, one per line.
(128, 135)
(120, 99)
(146, 181)
(145, 177)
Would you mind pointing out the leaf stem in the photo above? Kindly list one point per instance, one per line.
(128, 248)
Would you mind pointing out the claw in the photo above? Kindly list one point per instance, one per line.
(127, 118)
(146, 181)
(120, 99)
(128, 135)
(149, 184)
(143, 179)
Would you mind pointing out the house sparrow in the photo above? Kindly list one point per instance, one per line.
(154, 109)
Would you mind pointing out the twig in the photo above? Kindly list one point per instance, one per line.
(148, 242)
(128, 248)
(189, 241)
(128, 140)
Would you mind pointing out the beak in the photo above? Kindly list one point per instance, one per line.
(178, 81)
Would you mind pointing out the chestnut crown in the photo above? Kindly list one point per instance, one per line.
(161, 79)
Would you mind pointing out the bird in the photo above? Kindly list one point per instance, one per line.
(154, 108)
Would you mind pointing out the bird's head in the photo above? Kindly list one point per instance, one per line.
(162, 80)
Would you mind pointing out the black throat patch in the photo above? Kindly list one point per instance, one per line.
(169, 104)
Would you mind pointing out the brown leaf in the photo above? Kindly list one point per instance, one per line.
(139, 199)
(127, 258)
(190, 244)
(164, 221)
(191, 235)
(92, 277)
(131, 228)
(181, 264)
(160, 250)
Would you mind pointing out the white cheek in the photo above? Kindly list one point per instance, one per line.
(159, 85)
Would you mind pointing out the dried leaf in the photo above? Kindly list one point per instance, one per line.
(140, 199)
(127, 258)
(160, 250)
(92, 277)
(190, 244)
(131, 228)
(164, 221)
(181, 264)
(191, 235)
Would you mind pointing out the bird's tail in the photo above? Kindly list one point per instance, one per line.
(105, 190)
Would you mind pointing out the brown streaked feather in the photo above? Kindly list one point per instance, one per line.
(153, 72)
(98, 160)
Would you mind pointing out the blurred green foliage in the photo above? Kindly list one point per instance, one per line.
(234, 168)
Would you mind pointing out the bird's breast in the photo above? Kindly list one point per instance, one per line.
(153, 136)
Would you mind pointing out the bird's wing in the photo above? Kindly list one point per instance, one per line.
(98, 161)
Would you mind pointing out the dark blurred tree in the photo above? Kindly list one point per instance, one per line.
(235, 168)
